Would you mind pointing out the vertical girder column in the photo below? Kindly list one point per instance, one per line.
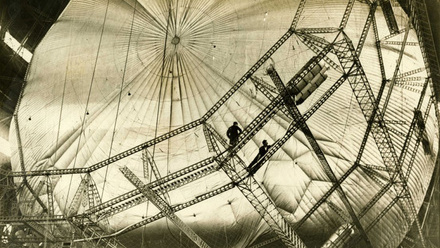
(289, 102)
(49, 188)
(424, 34)
(162, 205)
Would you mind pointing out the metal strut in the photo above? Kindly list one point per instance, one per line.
(163, 206)
(187, 175)
(148, 161)
(49, 188)
(390, 19)
(346, 14)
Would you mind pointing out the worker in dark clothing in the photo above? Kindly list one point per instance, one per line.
(254, 165)
(233, 132)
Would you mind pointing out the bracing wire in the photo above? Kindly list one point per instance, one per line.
(161, 77)
(88, 96)
(120, 96)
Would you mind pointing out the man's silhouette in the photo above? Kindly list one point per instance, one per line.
(233, 132)
(254, 165)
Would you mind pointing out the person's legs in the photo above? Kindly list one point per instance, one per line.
(233, 141)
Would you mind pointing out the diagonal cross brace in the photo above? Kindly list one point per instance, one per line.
(163, 206)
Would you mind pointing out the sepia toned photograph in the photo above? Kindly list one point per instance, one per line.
(220, 123)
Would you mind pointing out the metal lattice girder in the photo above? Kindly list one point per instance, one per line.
(298, 14)
(392, 35)
(50, 206)
(23, 219)
(409, 73)
(390, 19)
(42, 230)
(400, 43)
(179, 207)
(296, 124)
(317, 30)
(396, 70)
(402, 195)
(209, 141)
(268, 210)
(216, 135)
(261, 86)
(342, 50)
(94, 234)
(418, 140)
(163, 206)
(295, 114)
(379, 217)
(374, 175)
(424, 34)
(92, 192)
(250, 130)
(264, 243)
(346, 14)
(341, 213)
(266, 86)
(413, 124)
(78, 197)
(148, 161)
(366, 28)
(162, 185)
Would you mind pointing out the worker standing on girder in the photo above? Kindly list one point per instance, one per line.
(255, 165)
(233, 132)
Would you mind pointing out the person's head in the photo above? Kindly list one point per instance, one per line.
(235, 123)
(264, 142)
